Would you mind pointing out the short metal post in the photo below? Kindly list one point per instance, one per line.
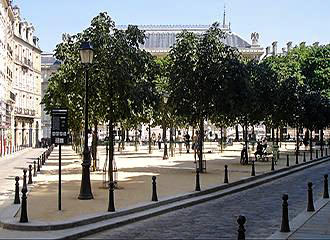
(198, 186)
(297, 157)
(285, 227)
(253, 172)
(24, 178)
(304, 157)
(226, 175)
(154, 190)
(273, 168)
(326, 191)
(326, 152)
(16, 200)
(30, 174)
(241, 230)
(316, 154)
(111, 207)
(38, 165)
(34, 169)
(24, 217)
(310, 204)
(311, 154)
(287, 160)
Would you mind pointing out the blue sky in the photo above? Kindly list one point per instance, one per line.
(280, 20)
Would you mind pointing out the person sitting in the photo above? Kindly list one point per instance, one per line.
(259, 150)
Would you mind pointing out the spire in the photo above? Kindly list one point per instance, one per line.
(224, 16)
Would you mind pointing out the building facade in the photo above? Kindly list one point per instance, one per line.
(160, 38)
(7, 97)
(26, 84)
(49, 65)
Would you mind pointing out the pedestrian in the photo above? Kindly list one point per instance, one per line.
(195, 144)
(187, 141)
(153, 138)
(159, 141)
(179, 139)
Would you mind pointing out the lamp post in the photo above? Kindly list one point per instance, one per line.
(165, 99)
(86, 55)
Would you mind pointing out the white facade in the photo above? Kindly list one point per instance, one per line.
(26, 84)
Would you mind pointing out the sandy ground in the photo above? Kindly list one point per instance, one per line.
(135, 169)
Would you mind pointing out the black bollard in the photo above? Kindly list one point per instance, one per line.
(43, 159)
(311, 155)
(297, 157)
(38, 164)
(253, 172)
(273, 168)
(316, 154)
(24, 217)
(287, 160)
(326, 152)
(226, 175)
(24, 178)
(34, 169)
(241, 230)
(111, 207)
(154, 190)
(16, 200)
(326, 191)
(198, 186)
(304, 157)
(321, 152)
(310, 204)
(285, 227)
(30, 174)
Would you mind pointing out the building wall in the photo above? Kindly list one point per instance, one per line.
(26, 84)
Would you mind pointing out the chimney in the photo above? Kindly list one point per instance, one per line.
(289, 46)
(274, 48)
(316, 44)
(267, 51)
(283, 50)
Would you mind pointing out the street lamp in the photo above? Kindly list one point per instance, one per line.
(86, 55)
(165, 99)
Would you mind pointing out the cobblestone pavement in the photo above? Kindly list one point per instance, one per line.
(12, 166)
(217, 219)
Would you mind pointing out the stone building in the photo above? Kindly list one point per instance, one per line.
(7, 97)
(26, 83)
(49, 65)
(160, 38)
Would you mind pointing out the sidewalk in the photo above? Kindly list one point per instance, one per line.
(317, 227)
(175, 175)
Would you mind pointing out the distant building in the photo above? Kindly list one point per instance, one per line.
(160, 38)
(49, 65)
(26, 83)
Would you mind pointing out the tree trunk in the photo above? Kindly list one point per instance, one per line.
(127, 135)
(171, 141)
(123, 138)
(273, 135)
(221, 139)
(135, 141)
(311, 142)
(111, 149)
(322, 142)
(237, 133)
(277, 136)
(201, 140)
(297, 140)
(94, 145)
(165, 156)
(149, 138)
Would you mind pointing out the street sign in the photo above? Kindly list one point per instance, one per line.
(59, 130)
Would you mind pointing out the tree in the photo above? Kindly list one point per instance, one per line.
(198, 70)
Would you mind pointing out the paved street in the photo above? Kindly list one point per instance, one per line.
(12, 166)
(217, 218)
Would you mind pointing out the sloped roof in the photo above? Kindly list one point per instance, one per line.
(162, 37)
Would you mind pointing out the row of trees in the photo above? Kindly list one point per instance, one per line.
(203, 79)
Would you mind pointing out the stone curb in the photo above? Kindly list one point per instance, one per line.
(300, 220)
(202, 196)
